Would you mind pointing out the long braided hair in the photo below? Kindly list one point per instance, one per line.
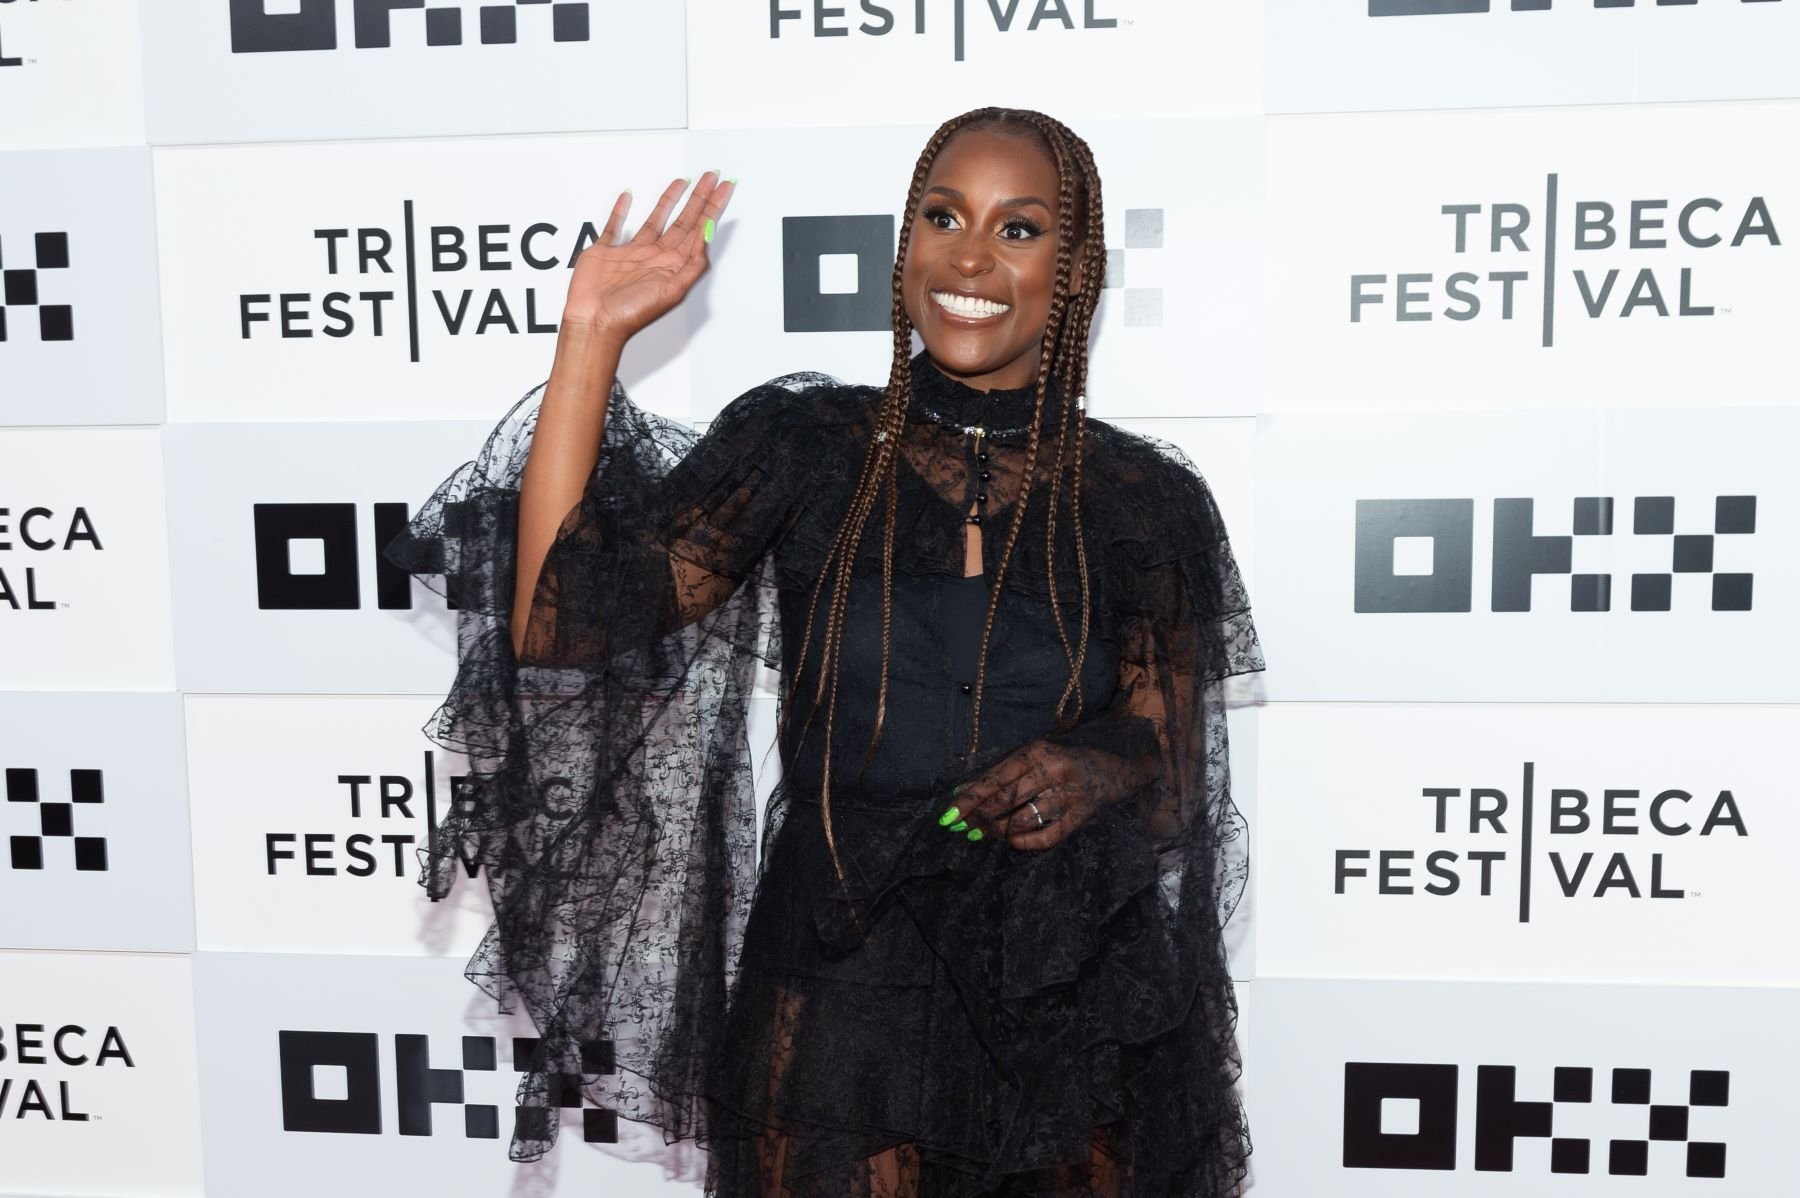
(1080, 255)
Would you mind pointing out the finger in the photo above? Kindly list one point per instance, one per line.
(688, 220)
(1062, 814)
(697, 240)
(652, 227)
(610, 234)
(1052, 802)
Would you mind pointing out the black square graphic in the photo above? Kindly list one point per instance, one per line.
(1573, 1085)
(57, 819)
(1629, 1158)
(1653, 514)
(1731, 592)
(1651, 592)
(1568, 1156)
(26, 852)
(1734, 513)
(21, 785)
(1709, 1087)
(1366, 1146)
(1593, 515)
(1705, 1160)
(1693, 553)
(1668, 1123)
(1631, 1086)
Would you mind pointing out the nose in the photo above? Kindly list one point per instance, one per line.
(972, 256)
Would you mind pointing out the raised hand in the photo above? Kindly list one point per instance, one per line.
(619, 287)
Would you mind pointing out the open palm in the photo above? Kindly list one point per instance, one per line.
(622, 286)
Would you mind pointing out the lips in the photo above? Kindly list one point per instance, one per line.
(968, 307)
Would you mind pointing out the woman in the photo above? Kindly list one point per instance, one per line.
(981, 953)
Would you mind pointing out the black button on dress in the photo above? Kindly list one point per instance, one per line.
(965, 1018)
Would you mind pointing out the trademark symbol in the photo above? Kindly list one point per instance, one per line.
(1693, 894)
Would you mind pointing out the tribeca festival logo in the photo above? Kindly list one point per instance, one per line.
(386, 803)
(23, 287)
(837, 272)
(331, 1083)
(1418, 555)
(877, 18)
(307, 556)
(268, 26)
(55, 822)
(1595, 836)
(1507, 263)
(1404, 1116)
(70, 1046)
(1435, 8)
(375, 289)
(40, 530)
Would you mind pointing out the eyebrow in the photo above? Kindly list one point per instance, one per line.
(1015, 202)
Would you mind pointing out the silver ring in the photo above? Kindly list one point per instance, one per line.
(1034, 810)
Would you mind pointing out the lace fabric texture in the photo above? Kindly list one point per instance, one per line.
(959, 1018)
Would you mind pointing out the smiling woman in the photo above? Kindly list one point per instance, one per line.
(980, 950)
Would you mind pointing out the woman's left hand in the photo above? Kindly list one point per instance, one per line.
(1067, 784)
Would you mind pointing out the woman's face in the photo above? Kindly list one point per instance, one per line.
(981, 264)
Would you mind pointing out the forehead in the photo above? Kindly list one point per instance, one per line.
(992, 164)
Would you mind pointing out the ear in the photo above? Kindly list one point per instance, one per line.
(1079, 256)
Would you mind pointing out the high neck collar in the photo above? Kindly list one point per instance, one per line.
(1005, 412)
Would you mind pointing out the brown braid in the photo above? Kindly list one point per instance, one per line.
(1064, 356)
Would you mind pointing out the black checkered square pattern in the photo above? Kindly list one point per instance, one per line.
(56, 820)
(19, 287)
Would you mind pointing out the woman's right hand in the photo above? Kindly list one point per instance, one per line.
(620, 287)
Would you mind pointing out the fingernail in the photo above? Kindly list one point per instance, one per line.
(732, 180)
(974, 833)
(948, 817)
(959, 825)
(706, 230)
(958, 788)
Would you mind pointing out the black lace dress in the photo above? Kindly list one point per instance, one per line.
(960, 1018)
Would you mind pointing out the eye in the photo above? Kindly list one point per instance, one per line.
(1024, 226)
(934, 214)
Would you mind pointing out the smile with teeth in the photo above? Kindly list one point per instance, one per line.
(968, 305)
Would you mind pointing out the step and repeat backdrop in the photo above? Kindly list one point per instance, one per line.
(1478, 315)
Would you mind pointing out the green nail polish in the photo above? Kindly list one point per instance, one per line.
(974, 833)
(949, 817)
(706, 230)
(959, 825)
(732, 180)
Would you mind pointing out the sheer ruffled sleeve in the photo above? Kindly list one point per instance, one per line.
(1181, 614)
(609, 804)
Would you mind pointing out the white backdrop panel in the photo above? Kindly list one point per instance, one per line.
(1531, 842)
(79, 337)
(312, 1092)
(864, 62)
(84, 584)
(431, 289)
(1529, 555)
(279, 586)
(801, 277)
(75, 69)
(1327, 55)
(310, 812)
(95, 823)
(358, 68)
(1391, 1076)
(98, 1089)
(1630, 256)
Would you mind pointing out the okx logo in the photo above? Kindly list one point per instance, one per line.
(1595, 842)
(331, 1082)
(1436, 8)
(307, 556)
(1418, 555)
(313, 24)
(1503, 261)
(1404, 1116)
(1143, 231)
(21, 293)
(56, 823)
